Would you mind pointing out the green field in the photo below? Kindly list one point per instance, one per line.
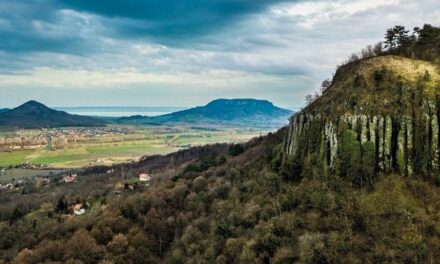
(14, 157)
(120, 148)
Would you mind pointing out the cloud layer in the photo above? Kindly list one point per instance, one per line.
(143, 52)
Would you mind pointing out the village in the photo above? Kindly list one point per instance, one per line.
(55, 138)
(38, 180)
(143, 179)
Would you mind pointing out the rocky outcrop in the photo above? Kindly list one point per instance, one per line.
(394, 138)
(331, 140)
(381, 113)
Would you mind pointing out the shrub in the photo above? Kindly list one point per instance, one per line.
(235, 150)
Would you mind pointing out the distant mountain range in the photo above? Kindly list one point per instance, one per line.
(36, 115)
(234, 112)
(220, 112)
(4, 110)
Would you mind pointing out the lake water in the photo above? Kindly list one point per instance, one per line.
(119, 111)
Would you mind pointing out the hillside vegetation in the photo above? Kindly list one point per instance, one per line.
(352, 179)
(234, 209)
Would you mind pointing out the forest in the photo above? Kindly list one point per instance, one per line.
(226, 206)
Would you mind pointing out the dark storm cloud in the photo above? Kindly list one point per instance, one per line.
(87, 29)
(27, 41)
(46, 25)
(39, 25)
(168, 19)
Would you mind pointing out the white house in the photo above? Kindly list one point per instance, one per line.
(78, 209)
(144, 177)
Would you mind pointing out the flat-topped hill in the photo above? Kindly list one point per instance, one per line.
(240, 112)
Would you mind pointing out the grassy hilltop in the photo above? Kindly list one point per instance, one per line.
(378, 85)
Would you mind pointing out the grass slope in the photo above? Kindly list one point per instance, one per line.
(376, 85)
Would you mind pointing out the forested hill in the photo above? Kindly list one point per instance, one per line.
(237, 112)
(33, 114)
(222, 204)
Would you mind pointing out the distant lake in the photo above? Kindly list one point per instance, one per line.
(108, 111)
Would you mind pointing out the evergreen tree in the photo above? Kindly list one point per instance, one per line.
(235, 150)
(368, 162)
(396, 37)
(350, 159)
(16, 214)
(61, 207)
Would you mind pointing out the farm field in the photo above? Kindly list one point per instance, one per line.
(107, 149)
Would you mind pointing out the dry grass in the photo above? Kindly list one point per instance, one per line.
(356, 89)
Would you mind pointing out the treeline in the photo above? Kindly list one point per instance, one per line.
(422, 43)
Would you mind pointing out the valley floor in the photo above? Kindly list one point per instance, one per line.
(73, 148)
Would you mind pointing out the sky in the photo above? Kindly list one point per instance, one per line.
(185, 53)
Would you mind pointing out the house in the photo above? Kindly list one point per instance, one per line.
(78, 209)
(144, 177)
(70, 178)
(42, 182)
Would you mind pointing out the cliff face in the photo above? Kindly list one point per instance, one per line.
(391, 137)
(382, 113)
